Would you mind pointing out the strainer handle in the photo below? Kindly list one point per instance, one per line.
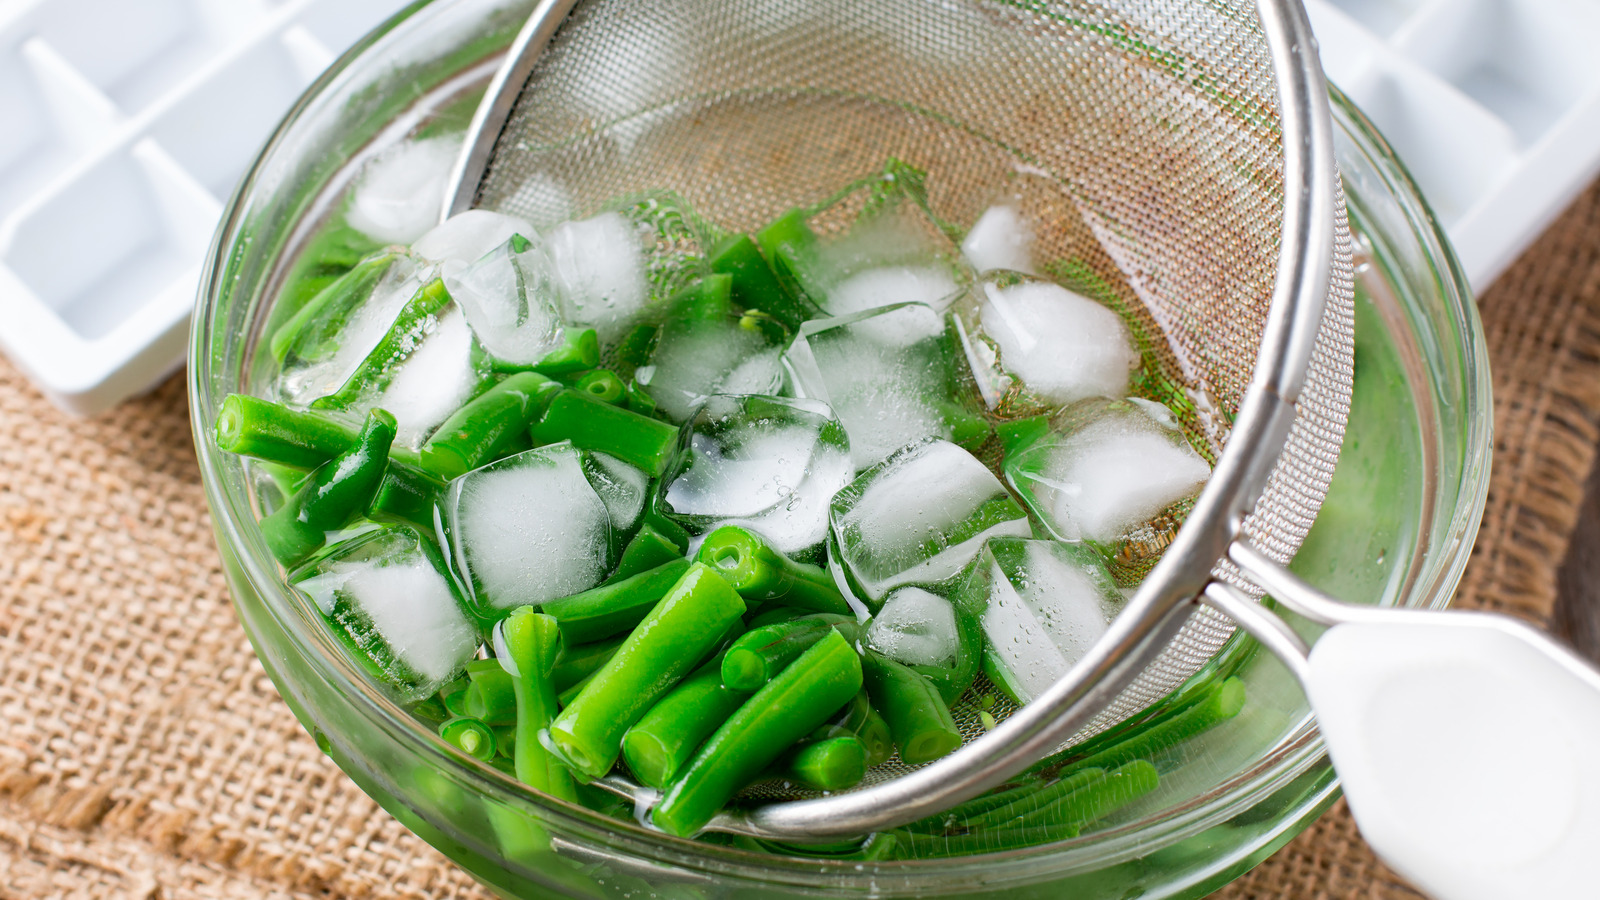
(1465, 741)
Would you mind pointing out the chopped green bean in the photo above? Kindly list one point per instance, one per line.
(576, 662)
(603, 385)
(648, 549)
(613, 608)
(346, 291)
(471, 736)
(918, 717)
(567, 695)
(250, 426)
(787, 708)
(404, 337)
(860, 719)
(338, 490)
(491, 696)
(661, 742)
(759, 572)
(708, 300)
(755, 285)
(1219, 704)
(832, 764)
(757, 656)
(407, 494)
(682, 629)
(580, 350)
(532, 641)
(591, 424)
(488, 426)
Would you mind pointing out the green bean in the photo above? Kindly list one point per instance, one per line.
(636, 347)
(491, 696)
(579, 350)
(576, 662)
(659, 744)
(250, 426)
(918, 717)
(648, 549)
(1029, 802)
(591, 424)
(1094, 801)
(487, 426)
(471, 736)
(760, 573)
(957, 816)
(407, 494)
(505, 742)
(655, 518)
(613, 608)
(755, 285)
(788, 243)
(757, 656)
(348, 290)
(860, 719)
(968, 429)
(639, 400)
(803, 696)
(603, 385)
(682, 629)
(454, 696)
(1219, 704)
(570, 693)
(531, 642)
(707, 300)
(338, 490)
(1017, 434)
(832, 764)
(404, 337)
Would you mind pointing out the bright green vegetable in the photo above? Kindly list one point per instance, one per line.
(1219, 704)
(759, 572)
(576, 662)
(473, 737)
(488, 426)
(532, 641)
(311, 339)
(648, 549)
(858, 718)
(591, 424)
(689, 621)
(250, 426)
(580, 350)
(337, 491)
(708, 300)
(661, 742)
(613, 608)
(755, 285)
(757, 656)
(407, 494)
(832, 764)
(803, 696)
(918, 717)
(603, 385)
(417, 318)
(491, 696)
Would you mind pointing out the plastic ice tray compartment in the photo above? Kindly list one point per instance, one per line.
(1493, 105)
(127, 124)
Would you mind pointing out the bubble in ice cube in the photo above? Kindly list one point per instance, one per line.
(887, 394)
(467, 236)
(765, 463)
(509, 300)
(919, 517)
(527, 529)
(694, 360)
(386, 596)
(621, 488)
(1107, 472)
(401, 191)
(916, 627)
(330, 346)
(1000, 239)
(1034, 341)
(599, 270)
(1041, 605)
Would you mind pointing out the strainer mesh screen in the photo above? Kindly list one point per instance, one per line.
(1139, 139)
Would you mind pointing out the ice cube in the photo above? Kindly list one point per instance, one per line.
(1106, 469)
(916, 627)
(1045, 342)
(348, 333)
(621, 488)
(1000, 239)
(919, 517)
(432, 382)
(509, 300)
(931, 286)
(385, 595)
(401, 191)
(885, 389)
(694, 360)
(527, 529)
(1042, 605)
(765, 463)
(467, 236)
(598, 266)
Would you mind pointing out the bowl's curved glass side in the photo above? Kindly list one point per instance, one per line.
(1236, 795)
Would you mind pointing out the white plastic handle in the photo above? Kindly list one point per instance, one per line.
(1469, 748)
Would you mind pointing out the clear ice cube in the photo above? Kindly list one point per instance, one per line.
(1000, 239)
(916, 627)
(694, 360)
(386, 596)
(527, 529)
(398, 196)
(330, 347)
(1106, 470)
(509, 300)
(467, 236)
(432, 382)
(621, 488)
(884, 373)
(919, 517)
(765, 463)
(1041, 605)
(599, 270)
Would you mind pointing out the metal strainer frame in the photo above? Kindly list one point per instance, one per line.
(1311, 224)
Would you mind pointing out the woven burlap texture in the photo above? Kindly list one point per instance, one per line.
(144, 753)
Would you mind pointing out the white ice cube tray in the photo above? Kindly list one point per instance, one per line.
(1493, 105)
(124, 125)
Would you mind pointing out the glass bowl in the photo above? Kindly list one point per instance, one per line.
(1396, 529)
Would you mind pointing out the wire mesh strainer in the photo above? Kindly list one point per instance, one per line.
(1179, 150)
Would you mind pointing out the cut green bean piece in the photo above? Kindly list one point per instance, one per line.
(661, 742)
(635, 348)
(505, 745)
(1219, 704)
(532, 643)
(1033, 799)
(968, 429)
(759, 572)
(603, 385)
(346, 291)
(1017, 434)
(918, 717)
(488, 426)
(708, 300)
(682, 629)
(757, 656)
(639, 400)
(613, 608)
(576, 662)
(591, 424)
(250, 426)
(569, 694)
(755, 285)
(337, 491)
(648, 549)
(491, 696)
(1073, 811)
(473, 737)
(788, 244)
(786, 709)
(408, 494)
(860, 719)
(580, 350)
(833, 764)
(417, 318)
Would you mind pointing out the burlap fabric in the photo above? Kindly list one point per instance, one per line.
(143, 752)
